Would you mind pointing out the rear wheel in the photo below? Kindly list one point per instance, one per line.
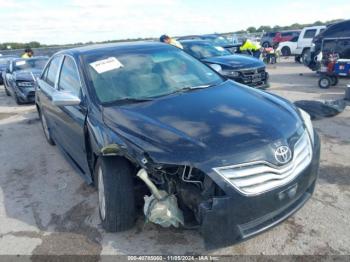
(116, 196)
(286, 51)
(325, 82)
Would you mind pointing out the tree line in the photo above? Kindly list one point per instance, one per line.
(277, 28)
(264, 28)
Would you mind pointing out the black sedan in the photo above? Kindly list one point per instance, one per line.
(4, 62)
(147, 117)
(20, 78)
(240, 68)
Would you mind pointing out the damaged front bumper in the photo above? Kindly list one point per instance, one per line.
(26, 95)
(234, 218)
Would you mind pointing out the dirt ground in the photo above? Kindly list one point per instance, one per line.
(46, 208)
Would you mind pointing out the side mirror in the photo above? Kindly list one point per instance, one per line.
(60, 98)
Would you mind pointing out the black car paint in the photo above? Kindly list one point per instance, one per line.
(227, 124)
(23, 94)
(247, 66)
(340, 34)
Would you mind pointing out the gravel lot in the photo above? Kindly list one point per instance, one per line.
(46, 208)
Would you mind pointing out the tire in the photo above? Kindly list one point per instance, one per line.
(286, 51)
(114, 182)
(334, 80)
(305, 57)
(324, 82)
(297, 59)
(46, 129)
(7, 91)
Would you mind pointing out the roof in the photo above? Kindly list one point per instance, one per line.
(195, 41)
(113, 46)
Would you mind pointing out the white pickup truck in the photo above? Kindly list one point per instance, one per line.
(300, 46)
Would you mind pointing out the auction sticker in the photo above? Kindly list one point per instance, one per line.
(106, 65)
(19, 63)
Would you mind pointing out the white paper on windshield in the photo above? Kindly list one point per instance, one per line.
(19, 63)
(219, 48)
(106, 65)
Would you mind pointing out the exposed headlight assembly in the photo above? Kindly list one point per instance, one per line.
(25, 84)
(230, 73)
(307, 121)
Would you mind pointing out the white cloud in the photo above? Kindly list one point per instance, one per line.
(93, 20)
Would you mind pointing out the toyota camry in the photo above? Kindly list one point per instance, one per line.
(150, 126)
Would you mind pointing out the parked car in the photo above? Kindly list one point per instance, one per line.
(267, 39)
(215, 39)
(240, 68)
(285, 36)
(4, 60)
(20, 78)
(337, 36)
(300, 48)
(233, 160)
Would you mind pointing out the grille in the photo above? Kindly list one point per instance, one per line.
(259, 177)
(250, 72)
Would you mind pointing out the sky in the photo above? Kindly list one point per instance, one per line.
(73, 21)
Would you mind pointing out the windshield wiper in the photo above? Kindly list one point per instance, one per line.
(133, 100)
(191, 88)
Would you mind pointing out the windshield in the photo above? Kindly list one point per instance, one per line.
(204, 50)
(219, 40)
(28, 64)
(145, 73)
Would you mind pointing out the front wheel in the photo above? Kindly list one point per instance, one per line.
(7, 91)
(46, 129)
(116, 197)
(325, 82)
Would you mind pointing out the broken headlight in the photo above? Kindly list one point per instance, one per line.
(230, 73)
(307, 121)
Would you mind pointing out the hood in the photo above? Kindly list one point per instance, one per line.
(27, 75)
(235, 61)
(221, 125)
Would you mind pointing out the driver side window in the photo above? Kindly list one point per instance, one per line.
(69, 77)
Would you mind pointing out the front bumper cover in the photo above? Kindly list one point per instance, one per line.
(26, 94)
(231, 219)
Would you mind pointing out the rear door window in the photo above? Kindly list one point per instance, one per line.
(310, 33)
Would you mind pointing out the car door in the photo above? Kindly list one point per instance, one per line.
(306, 39)
(46, 87)
(71, 119)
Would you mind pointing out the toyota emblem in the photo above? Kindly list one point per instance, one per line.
(283, 154)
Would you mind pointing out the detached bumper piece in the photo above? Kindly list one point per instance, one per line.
(232, 219)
